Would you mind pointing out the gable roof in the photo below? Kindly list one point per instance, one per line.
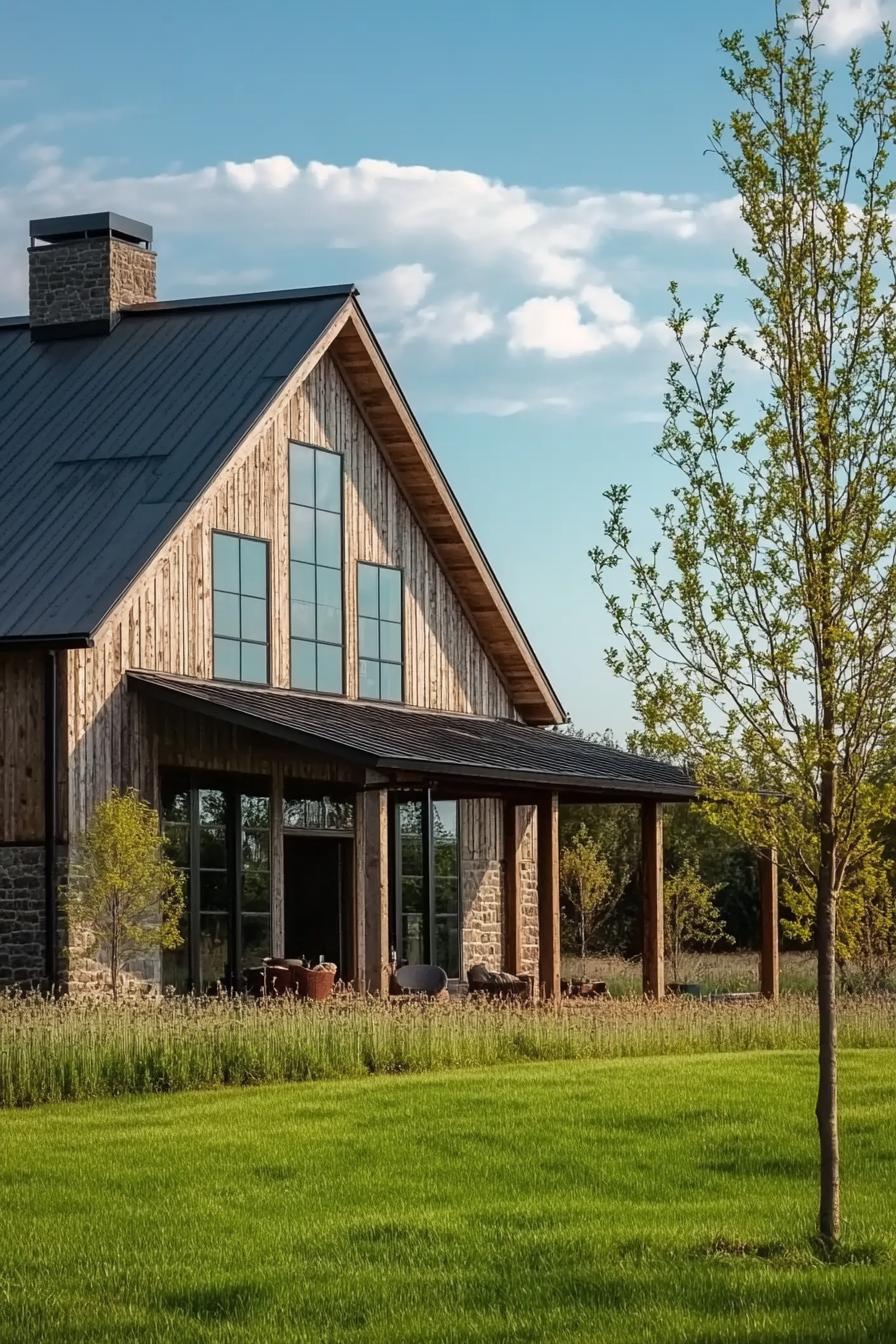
(107, 442)
(468, 750)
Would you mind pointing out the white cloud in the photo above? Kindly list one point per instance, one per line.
(396, 290)
(10, 85)
(457, 320)
(848, 22)
(555, 326)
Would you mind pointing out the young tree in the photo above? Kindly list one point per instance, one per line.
(586, 882)
(759, 630)
(125, 891)
(692, 916)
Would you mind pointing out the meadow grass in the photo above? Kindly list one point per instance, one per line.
(716, 972)
(661, 1200)
(77, 1049)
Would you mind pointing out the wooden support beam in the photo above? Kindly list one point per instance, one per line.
(549, 895)
(653, 973)
(372, 891)
(513, 924)
(768, 915)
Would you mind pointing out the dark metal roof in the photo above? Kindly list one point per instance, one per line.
(106, 441)
(103, 223)
(395, 738)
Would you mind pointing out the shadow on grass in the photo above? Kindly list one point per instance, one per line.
(217, 1302)
(794, 1255)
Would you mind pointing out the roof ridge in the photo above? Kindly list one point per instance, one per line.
(238, 300)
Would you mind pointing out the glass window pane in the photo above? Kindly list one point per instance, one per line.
(294, 812)
(214, 891)
(302, 620)
(329, 587)
(444, 819)
(368, 591)
(301, 533)
(175, 804)
(253, 568)
(212, 807)
(328, 481)
(226, 562)
(227, 614)
(329, 622)
(176, 967)
(212, 847)
(390, 682)
(303, 665)
(255, 809)
(329, 540)
(446, 945)
(301, 474)
(368, 680)
(254, 662)
(255, 849)
(304, 582)
(256, 932)
(368, 637)
(254, 612)
(256, 892)
(390, 641)
(177, 841)
(390, 594)
(329, 668)
(227, 659)
(411, 855)
(446, 895)
(413, 949)
(411, 894)
(212, 950)
(314, 815)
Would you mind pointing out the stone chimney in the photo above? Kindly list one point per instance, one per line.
(83, 269)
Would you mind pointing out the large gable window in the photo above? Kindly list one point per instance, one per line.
(380, 638)
(315, 569)
(240, 607)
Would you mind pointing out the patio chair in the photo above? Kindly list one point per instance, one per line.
(429, 980)
(498, 984)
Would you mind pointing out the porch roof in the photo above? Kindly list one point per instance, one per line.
(475, 753)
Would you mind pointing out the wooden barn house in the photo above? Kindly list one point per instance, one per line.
(234, 577)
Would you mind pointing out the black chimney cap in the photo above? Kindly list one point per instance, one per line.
(105, 224)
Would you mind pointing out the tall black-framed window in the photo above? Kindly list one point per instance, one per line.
(315, 569)
(218, 832)
(240, 607)
(427, 882)
(380, 633)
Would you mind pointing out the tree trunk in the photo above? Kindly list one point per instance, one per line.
(582, 930)
(826, 1105)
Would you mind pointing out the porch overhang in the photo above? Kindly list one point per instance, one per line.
(470, 754)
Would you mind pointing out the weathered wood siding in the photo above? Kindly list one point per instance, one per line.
(165, 622)
(21, 748)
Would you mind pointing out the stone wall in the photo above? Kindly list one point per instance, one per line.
(88, 280)
(529, 891)
(482, 884)
(22, 898)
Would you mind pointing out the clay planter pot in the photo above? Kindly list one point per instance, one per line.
(314, 982)
(582, 989)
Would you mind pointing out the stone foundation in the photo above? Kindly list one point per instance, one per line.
(22, 924)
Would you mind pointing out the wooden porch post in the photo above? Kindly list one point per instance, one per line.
(653, 971)
(549, 895)
(372, 891)
(513, 931)
(768, 914)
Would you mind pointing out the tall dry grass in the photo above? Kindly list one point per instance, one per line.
(70, 1049)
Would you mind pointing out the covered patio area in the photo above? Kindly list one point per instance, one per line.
(387, 753)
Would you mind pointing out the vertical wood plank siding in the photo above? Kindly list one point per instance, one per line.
(165, 624)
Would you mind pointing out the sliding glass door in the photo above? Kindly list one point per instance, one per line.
(427, 883)
(219, 836)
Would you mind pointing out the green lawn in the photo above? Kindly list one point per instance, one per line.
(661, 1199)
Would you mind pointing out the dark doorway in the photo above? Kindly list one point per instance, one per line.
(317, 912)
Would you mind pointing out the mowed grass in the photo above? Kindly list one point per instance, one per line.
(641, 1199)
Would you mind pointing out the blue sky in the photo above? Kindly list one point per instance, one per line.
(511, 185)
